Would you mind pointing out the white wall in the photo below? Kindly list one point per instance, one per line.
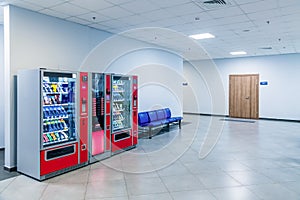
(279, 99)
(1, 86)
(204, 92)
(160, 77)
(36, 40)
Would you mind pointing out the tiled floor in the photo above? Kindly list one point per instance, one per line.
(252, 161)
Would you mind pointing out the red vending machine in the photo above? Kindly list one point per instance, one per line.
(48, 140)
(99, 121)
(124, 113)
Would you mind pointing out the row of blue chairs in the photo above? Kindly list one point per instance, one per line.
(157, 118)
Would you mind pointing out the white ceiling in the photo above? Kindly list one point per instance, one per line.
(248, 25)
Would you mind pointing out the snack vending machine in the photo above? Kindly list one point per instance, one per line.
(48, 140)
(124, 112)
(99, 132)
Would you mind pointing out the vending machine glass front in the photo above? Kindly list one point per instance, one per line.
(59, 114)
(121, 103)
(98, 139)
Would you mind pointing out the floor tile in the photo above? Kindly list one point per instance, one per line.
(233, 166)
(273, 192)
(217, 180)
(162, 196)
(202, 166)
(105, 173)
(145, 186)
(110, 198)
(4, 183)
(23, 187)
(281, 175)
(294, 186)
(193, 195)
(250, 161)
(234, 193)
(64, 191)
(106, 188)
(250, 178)
(76, 176)
(173, 169)
(141, 175)
(182, 183)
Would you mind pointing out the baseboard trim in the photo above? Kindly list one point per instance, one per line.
(10, 169)
(283, 120)
(261, 118)
(205, 114)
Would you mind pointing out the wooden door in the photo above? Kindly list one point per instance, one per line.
(243, 96)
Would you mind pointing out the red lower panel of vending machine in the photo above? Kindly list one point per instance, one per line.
(121, 141)
(97, 142)
(59, 158)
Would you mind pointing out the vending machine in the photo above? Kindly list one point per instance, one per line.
(49, 119)
(124, 113)
(99, 120)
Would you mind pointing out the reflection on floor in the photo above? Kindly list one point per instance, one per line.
(252, 161)
(5, 174)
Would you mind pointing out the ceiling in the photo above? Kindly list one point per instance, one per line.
(259, 27)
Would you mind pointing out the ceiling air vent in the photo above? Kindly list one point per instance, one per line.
(213, 4)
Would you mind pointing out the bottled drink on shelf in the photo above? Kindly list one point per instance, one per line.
(45, 138)
(63, 124)
(46, 87)
(63, 135)
(53, 136)
(49, 137)
(47, 112)
(57, 136)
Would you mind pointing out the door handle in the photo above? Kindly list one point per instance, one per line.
(247, 98)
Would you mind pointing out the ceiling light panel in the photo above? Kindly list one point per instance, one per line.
(202, 36)
(236, 53)
(93, 5)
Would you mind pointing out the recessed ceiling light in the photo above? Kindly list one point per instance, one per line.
(235, 53)
(202, 36)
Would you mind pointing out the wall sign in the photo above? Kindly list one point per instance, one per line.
(264, 83)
